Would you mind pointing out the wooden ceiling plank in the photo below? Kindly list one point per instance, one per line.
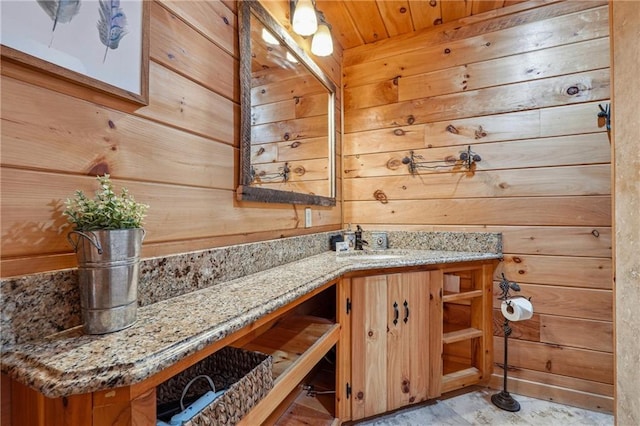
(483, 23)
(452, 10)
(396, 16)
(481, 6)
(343, 28)
(366, 16)
(425, 14)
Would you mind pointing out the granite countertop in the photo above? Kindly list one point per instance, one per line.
(165, 332)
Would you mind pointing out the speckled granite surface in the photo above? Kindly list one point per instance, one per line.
(182, 321)
(38, 305)
(165, 332)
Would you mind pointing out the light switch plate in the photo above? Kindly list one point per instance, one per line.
(307, 218)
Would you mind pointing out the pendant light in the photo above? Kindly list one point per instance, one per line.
(305, 21)
(322, 43)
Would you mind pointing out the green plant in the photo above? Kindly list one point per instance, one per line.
(107, 210)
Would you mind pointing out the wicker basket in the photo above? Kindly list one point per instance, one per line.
(246, 375)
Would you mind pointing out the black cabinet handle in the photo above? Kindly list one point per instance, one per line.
(396, 314)
(406, 311)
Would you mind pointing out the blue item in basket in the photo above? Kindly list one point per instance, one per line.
(200, 404)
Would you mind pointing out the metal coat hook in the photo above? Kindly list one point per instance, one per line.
(466, 158)
(281, 176)
(605, 112)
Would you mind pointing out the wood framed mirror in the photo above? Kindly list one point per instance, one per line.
(287, 134)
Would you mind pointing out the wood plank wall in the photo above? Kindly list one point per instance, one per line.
(522, 91)
(179, 154)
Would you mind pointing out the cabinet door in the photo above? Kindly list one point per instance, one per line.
(390, 360)
(407, 338)
(369, 346)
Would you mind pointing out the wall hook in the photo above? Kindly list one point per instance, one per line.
(605, 112)
(466, 158)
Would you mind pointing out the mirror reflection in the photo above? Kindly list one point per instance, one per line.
(287, 118)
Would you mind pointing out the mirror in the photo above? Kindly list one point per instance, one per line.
(287, 132)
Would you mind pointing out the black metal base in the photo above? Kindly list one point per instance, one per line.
(505, 401)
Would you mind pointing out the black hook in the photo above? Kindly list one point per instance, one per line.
(605, 112)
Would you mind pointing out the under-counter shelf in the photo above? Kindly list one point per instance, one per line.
(452, 334)
(296, 343)
(449, 297)
(466, 326)
(460, 378)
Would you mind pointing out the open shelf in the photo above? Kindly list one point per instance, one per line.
(460, 378)
(448, 297)
(457, 335)
(296, 343)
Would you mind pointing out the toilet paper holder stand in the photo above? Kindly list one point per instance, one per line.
(503, 399)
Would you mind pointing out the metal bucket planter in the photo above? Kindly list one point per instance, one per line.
(108, 269)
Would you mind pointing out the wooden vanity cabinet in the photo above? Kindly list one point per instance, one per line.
(402, 354)
(390, 340)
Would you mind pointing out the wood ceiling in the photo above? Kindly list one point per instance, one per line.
(358, 22)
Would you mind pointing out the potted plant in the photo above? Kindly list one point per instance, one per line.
(107, 238)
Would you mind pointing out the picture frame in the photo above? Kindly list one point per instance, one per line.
(100, 44)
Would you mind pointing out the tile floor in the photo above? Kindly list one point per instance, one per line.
(476, 408)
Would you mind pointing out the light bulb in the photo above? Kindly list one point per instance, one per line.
(322, 44)
(305, 21)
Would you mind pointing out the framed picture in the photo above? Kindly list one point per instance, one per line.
(102, 44)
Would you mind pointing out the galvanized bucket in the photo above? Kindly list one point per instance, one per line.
(108, 269)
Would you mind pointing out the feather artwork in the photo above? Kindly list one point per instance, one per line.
(112, 25)
(60, 11)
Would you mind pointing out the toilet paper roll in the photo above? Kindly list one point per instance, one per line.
(517, 309)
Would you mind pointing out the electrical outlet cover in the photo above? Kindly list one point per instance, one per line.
(307, 218)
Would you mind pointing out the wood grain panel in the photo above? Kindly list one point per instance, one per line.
(511, 69)
(189, 107)
(568, 241)
(570, 89)
(579, 333)
(396, 16)
(509, 17)
(301, 128)
(573, 383)
(216, 20)
(567, 396)
(314, 169)
(501, 85)
(381, 93)
(425, 14)
(557, 121)
(371, 26)
(96, 140)
(32, 226)
(567, 301)
(582, 272)
(571, 211)
(579, 180)
(182, 49)
(512, 41)
(455, 9)
(522, 330)
(579, 363)
(568, 150)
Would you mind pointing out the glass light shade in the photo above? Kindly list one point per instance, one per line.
(322, 44)
(268, 37)
(305, 21)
